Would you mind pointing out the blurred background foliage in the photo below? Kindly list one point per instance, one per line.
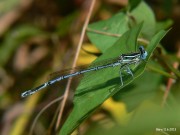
(38, 37)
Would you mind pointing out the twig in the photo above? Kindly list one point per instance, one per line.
(170, 80)
(115, 35)
(164, 73)
(66, 94)
(39, 114)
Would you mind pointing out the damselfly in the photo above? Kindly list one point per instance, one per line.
(124, 60)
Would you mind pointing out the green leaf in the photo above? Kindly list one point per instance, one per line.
(118, 24)
(14, 38)
(144, 13)
(104, 34)
(134, 101)
(133, 4)
(94, 89)
(157, 68)
(164, 24)
(140, 90)
(148, 118)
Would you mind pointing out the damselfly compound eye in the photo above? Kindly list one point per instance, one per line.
(143, 52)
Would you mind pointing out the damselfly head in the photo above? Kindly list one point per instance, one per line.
(143, 52)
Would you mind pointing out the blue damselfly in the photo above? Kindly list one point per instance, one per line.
(124, 60)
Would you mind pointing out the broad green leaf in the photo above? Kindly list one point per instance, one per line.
(144, 13)
(94, 89)
(140, 90)
(118, 24)
(14, 38)
(147, 119)
(133, 4)
(99, 32)
(164, 24)
(149, 116)
(152, 45)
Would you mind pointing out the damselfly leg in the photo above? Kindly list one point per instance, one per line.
(127, 69)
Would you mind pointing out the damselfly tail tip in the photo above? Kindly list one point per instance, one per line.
(26, 93)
